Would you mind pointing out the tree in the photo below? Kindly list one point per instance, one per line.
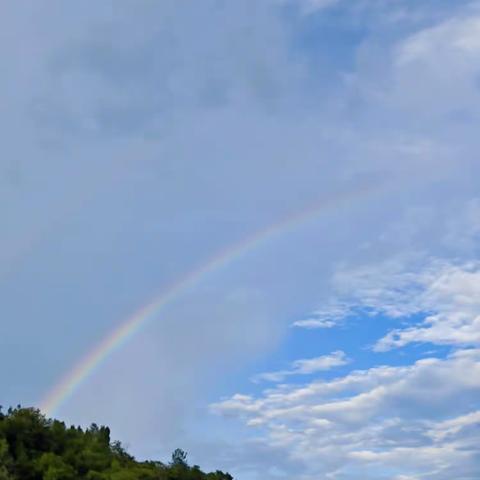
(54, 467)
(5, 460)
(33, 447)
(179, 458)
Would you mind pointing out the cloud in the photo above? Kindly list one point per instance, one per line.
(327, 317)
(452, 75)
(410, 420)
(315, 322)
(456, 428)
(452, 296)
(306, 367)
(444, 295)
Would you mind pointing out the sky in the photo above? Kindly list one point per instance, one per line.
(330, 147)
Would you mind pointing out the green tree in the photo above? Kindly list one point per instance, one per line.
(179, 458)
(53, 467)
(5, 460)
(33, 447)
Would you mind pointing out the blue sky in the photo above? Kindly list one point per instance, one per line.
(141, 137)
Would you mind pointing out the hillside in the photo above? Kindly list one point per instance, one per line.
(33, 447)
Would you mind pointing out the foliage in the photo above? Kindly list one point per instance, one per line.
(179, 457)
(33, 447)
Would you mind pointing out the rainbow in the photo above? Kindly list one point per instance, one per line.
(114, 341)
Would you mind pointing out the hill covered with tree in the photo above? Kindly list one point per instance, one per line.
(33, 447)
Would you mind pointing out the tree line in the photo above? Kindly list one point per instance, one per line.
(33, 447)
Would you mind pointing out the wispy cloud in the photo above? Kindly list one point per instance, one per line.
(327, 317)
(306, 367)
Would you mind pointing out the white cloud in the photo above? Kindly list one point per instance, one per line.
(451, 295)
(453, 428)
(458, 34)
(314, 322)
(446, 296)
(390, 287)
(327, 317)
(397, 420)
(436, 70)
(306, 367)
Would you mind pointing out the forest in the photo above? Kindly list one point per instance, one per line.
(34, 447)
